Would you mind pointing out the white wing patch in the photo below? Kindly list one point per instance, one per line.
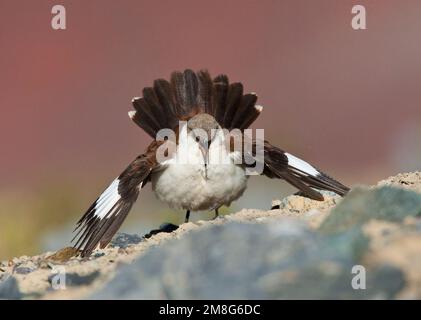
(132, 114)
(107, 200)
(299, 164)
(258, 108)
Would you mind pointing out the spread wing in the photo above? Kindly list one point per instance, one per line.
(105, 216)
(299, 173)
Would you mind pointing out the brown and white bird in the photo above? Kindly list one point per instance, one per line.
(204, 105)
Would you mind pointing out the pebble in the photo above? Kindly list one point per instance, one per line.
(23, 270)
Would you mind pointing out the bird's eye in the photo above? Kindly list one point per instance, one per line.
(197, 139)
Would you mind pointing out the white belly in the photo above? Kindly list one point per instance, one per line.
(185, 186)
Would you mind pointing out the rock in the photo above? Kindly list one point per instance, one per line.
(23, 270)
(63, 255)
(411, 181)
(9, 289)
(123, 240)
(318, 282)
(3, 276)
(302, 249)
(26, 266)
(299, 204)
(98, 254)
(263, 261)
(74, 279)
(398, 245)
(362, 205)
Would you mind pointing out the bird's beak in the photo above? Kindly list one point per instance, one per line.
(204, 148)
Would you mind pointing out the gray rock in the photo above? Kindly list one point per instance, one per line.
(283, 259)
(23, 270)
(74, 279)
(313, 283)
(361, 205)
(9, 289)
(123, 240)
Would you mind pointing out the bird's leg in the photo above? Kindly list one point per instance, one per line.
(216, 213)
(186, 219)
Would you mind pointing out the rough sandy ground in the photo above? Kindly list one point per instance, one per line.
(393, 243)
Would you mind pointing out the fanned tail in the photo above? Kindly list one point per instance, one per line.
(189, 93)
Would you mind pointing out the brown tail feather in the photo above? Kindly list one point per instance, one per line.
(141, 122)
(185, 86)
(167, 101)
(145, 114)
(204, 99)
(191, 85)
(252, 115)
(235, 93)
(220, 85)
(189, 93)
(245, 111)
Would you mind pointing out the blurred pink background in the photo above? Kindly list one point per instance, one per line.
(347, 101)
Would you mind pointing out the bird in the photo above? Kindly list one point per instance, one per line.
(199, 110)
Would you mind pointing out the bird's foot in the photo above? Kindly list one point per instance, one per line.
(165, 227)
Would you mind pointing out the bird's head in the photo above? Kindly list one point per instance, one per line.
(203, 128)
